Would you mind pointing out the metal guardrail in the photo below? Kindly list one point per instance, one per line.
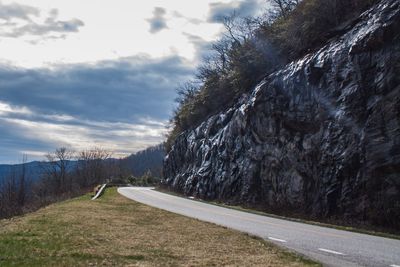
(99, 192)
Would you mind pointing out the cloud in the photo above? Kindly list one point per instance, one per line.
(21, 20)
(121, 105)
(51, 26)
(158, 21)
(195, 21)
(244, 8)
(6, 109)
(12, 144)
(201, 46)
(120, 88)
(122, 138)
(12, 11)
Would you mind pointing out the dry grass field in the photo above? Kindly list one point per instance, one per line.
(115, 231)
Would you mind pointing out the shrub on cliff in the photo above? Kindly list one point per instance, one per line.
(311, 24)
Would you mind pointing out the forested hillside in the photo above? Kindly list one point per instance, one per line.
(147, 160)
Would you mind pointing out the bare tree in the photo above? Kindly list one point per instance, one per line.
(239, 29)
(22, 182)
(91, 166)
(9, 195)
(186, 92)
(13, 190)
(284, 6)
(58, 169)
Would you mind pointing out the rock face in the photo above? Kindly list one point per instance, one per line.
(320, 137)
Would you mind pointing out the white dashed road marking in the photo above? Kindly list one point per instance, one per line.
(394, 265)
(277, 239)
(331, 251)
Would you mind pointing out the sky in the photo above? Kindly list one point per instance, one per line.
(99, 73)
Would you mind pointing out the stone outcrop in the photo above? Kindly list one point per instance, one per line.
(320, 136)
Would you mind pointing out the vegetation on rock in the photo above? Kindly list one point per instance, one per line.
(255, 47)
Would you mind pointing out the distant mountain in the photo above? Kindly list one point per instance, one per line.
(33, 169)
(150, 159)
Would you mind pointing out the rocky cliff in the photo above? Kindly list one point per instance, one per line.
(319, 137)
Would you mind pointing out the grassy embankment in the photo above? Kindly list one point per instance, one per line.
(116, 231)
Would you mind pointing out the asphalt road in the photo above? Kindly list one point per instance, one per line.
(329, 246)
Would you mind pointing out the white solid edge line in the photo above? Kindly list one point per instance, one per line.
(277, 239)
(331, 251)
(394, 265)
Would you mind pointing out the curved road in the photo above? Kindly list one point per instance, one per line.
(329, 246)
